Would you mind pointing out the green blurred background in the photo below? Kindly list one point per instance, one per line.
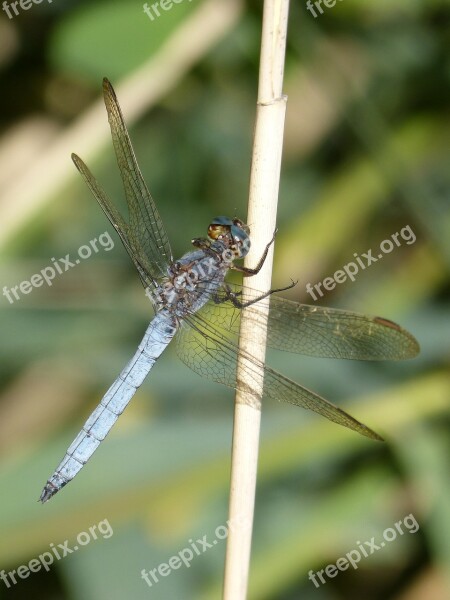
(366, 154)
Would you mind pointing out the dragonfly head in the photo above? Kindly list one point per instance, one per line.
(233, 232)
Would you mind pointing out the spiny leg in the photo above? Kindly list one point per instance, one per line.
(247, 271)
(233, 296)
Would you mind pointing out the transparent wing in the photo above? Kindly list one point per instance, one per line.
(128, 240)
(318, 331)
(213, 355)
(144, 219)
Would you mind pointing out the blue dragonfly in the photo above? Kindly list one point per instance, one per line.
(193, 302)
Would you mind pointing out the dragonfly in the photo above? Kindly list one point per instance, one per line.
(194, 304)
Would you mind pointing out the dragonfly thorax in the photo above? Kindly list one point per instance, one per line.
(234, 233)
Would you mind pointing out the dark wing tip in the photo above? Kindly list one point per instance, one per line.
(77, 162)
(108, 91)
(388, 323)
(356, 425)
(374, 436)
(107, 86)
(412, 347)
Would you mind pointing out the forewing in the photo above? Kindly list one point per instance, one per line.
(213, 355)
(319, 331)
(116, 220)
(144, 219)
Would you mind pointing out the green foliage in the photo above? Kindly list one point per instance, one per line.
(366, 154)
(113, 37)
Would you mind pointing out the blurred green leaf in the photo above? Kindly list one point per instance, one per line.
(111, 38)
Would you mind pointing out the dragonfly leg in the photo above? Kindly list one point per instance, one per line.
(233, 296)
(248, 272)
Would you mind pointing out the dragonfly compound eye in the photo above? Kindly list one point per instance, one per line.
(216, 232)
(242, 225)
(241, 239)
(220, 227)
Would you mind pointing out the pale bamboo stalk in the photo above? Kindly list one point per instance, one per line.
(264, 185)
